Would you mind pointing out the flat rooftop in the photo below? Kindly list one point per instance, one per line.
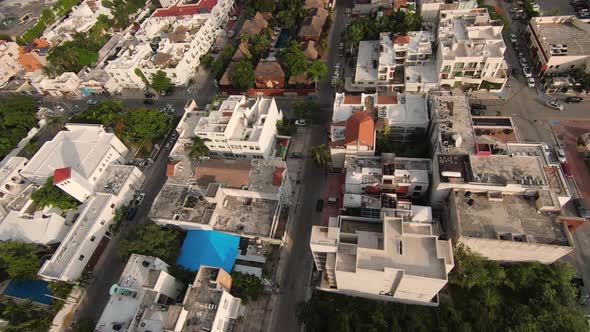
(244, 215)
(412, 111)
(513, 214)
(200, 299)
(453, 118)
(113, 179)
(503, 169)
(568, 30)
(182, 203)
(367, 59)
(256, 175)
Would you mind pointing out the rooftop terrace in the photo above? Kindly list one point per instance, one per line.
(244, 215)
(560, 30)
(113, 179)
(452, 116)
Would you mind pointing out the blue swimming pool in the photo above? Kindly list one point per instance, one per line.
(29, 289)
(208, 248)
(283, 39)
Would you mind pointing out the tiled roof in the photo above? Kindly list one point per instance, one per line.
(309, 49)
(386, 100)
(255, 25)
(277, 176)
(171, 168)
(359, 128)
(350, 99)
(401, 40)
(61, 174)
(204, 6)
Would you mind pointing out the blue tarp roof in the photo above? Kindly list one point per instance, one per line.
(208, 248)
(29, 289)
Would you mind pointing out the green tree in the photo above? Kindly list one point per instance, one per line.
(50, 195)
(145, 124)
(243, 75)
(246, 286)
(320, 154)
(152, 240)
(23, 316)
(84, 325)
(60, 290)
(206, 61)
(106, 112)
(316, 71)
(19, 260)
(198, 148)
(293, 60)
(473, 270)
(17, 117)
(161, 82)
(285, 129)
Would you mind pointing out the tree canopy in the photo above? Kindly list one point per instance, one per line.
(161, 82)
(243, 75)
(198, 148)
(145, 124)
(222, 61)
(320, 154)
(293, 60)
(246, 286)
(23, 316)
(153, 240)
(51, 195)
(317, 70)
(19, 260)
(482, 296)
(17, 117)
(369, 27)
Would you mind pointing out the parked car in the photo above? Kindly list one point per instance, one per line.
(554, 104)
(530, 82)
(581, 208)
(143, 163)
(515, 72)
(91, 102)
(149, 94)
(341, 46)
(233, 18)
(513, 38)
(561, 155)
(527, 72)
(567, 170)
(296, 155)
(523, 61)
(573, 100)
(300, 122)
(174, 135)
(139, 199)
(148, 101)
(131, 213)
(168, 145)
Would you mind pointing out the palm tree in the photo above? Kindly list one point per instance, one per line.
(198, 148)
(320, 154)
(317, 71)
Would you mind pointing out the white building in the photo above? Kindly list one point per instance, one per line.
(430, 9)
(90, 233)
(9, 65)
(559, 43)
(471, 50)
(388, 259)
(143, 299)
(66, 84)
(172, 40)
(80, 19)
(207, 304)
(249, 198)
(79, 156)
(241, 128)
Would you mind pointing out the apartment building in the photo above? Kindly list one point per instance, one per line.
(76, 158)
(172, 40)
(249, 198)
(66, 84)
(371, 176)
(80, 19)
(241, 127)
(9, 65)
(143, 299)
(558, 43)
(430, 9)
(471, 50)
(390, 258)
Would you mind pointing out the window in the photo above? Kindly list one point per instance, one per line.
(81, 257)
(92, 238)
(459, 65)
(418, 188)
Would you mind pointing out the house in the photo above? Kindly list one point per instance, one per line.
(471, 50)
(310, 50)
(353, 136)
(66, 84)
(241, 128)
(225, 80)
(254, 26)
(313, 24)
(430, 9)
(143, 298)
(559, 44)
(9, 64)
(269, 75)
(242, 52)
(80, 19)
(360, 256)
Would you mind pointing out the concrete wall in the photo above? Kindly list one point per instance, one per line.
(511, 251)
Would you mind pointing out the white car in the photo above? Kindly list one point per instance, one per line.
(536, 7)
(554, 104)
(527, 72)
(561, 155)
(530, 82)
(139, 199)
(300, 122)
(513, 38)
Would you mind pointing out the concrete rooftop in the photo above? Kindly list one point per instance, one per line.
(251, 216)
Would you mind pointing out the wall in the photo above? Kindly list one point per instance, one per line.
(510, 251)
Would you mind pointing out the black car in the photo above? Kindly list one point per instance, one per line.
(515, 73)
(573, 100)
(148, 101)
(150, 95)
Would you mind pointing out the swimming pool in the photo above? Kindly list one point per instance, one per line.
(208, 248)
(29, 289)
(283, 39)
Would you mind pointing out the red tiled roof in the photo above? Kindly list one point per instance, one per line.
(61, 174)
(349, 99)
(171, 168)
(399, 3)
(277, 176)
(386, 100)
(360, 128)
(401, 40)
(204, 6)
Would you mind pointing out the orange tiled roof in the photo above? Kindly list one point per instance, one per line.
(386, 100)
(359, 129)
(28, 60)
(401, 40)
(351, 99)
